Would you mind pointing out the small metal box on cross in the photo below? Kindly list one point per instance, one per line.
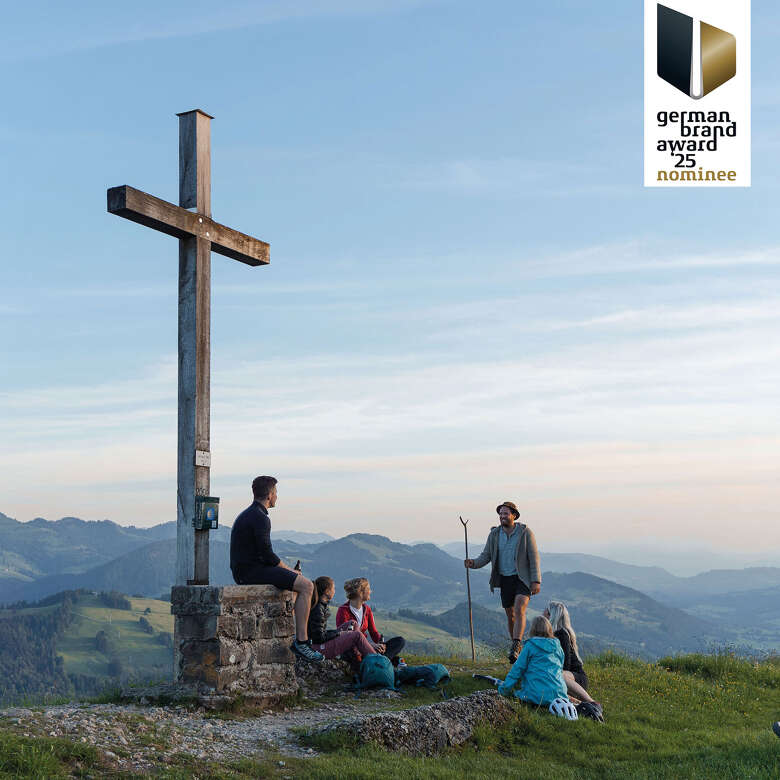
(198, 236)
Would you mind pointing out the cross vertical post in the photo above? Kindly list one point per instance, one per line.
(194, 449)
(199, 235)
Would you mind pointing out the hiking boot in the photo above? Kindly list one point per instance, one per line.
(305, 651)
(517, 646)
(776, 727)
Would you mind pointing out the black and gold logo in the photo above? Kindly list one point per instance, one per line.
(694, 58)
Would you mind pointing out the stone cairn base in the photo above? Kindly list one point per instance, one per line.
(427, 730)
(234, 641)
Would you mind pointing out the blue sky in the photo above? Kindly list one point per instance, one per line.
(471, 297)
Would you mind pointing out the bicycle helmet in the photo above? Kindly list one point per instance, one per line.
(563, 708)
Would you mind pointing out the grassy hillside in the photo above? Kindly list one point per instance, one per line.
(694, 717)
(142, 654)
(75, 645)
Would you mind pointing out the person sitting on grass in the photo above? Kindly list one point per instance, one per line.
(332, 643)
(539, 668)
(573, 671)
(358, 592)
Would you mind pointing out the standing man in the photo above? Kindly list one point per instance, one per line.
(253, 561)
(514, 558)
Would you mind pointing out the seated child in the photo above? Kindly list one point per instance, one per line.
(539, 668)
(331, 643)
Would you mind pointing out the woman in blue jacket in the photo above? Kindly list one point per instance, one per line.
(539, 669)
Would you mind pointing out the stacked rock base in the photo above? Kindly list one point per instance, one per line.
(233, 641)
(426, 730)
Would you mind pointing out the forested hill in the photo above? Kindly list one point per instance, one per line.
(28, 641)
(605, 615)
(76, 643)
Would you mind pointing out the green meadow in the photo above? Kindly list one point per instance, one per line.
(696, 716)
(141, 655)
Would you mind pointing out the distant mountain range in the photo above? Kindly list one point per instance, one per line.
(627, 606)
(401, 575)
(633, 622)
(42, 549)
(653, 580)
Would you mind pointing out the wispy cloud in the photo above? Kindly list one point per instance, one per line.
(516, 176)
(613, 259)
(647, 388)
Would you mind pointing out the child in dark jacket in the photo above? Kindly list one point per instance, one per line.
(573, 672)
(332, 643)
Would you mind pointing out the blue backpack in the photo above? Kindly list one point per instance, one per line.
(376, 671)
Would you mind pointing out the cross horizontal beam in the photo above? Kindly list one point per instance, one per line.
(137, 206)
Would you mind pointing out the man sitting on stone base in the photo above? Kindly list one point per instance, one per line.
(253, 561)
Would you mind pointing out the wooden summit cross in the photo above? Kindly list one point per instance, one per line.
(198, 236)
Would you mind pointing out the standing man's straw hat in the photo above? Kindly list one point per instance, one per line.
(510, 506)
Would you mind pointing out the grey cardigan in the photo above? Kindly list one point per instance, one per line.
(528, 567)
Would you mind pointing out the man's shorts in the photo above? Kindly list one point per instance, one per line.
(257, 574)
(512, 586)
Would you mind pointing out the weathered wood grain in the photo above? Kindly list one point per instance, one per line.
(138, 206)
(187, 403)
(195, 319)
(195, 161)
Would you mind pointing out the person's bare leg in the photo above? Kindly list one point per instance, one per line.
(575, 689)
(510, 619)
(521, 603)
(303, 588)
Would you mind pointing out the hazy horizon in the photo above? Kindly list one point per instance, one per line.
(684, 561)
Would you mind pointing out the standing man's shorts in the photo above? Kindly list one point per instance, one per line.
(511, 587)
(257, 574)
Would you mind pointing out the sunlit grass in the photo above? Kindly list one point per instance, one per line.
(695, 716)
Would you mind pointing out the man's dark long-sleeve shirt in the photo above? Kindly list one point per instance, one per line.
(250, 539)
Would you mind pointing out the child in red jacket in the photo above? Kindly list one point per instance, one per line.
(358, 592)
(346, 639)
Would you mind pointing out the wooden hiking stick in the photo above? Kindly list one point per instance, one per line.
(468, 589)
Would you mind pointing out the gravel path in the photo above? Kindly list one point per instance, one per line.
(138, 738)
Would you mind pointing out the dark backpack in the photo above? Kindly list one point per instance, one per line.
(376, 671)
(592, 710)
(429, 676)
